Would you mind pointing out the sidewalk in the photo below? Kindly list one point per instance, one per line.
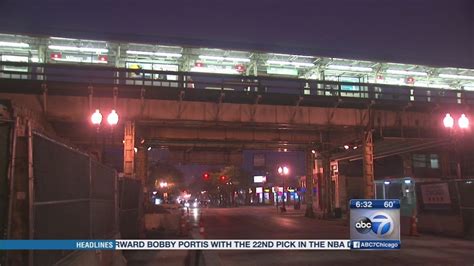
(159, 257)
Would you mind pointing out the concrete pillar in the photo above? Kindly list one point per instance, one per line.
(309, 184)
(129, 149)
(368, 168)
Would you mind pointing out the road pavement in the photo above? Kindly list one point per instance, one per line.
(267, 223)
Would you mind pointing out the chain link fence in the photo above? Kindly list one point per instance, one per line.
(74, 197)
(129, 211)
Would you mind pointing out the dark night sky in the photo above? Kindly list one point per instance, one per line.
(431, 32)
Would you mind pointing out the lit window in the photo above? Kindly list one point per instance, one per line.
(434, 162)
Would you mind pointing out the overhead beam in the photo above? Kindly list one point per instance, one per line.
(74, 108)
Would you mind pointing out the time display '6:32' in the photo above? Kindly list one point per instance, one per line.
(363, 204)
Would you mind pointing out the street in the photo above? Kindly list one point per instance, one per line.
(265, 223)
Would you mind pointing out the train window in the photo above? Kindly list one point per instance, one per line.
(12, 71)
(163, 67)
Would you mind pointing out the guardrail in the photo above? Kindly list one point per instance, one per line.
(152, 79)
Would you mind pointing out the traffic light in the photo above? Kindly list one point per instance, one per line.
(223, 178)
(205, 176)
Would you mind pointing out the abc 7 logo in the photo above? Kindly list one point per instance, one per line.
(380, 224)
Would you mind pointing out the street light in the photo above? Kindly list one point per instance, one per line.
(112, 119)
(283, 171)
(448, 121)
(463, 125)
(96, 118)
(463, 122)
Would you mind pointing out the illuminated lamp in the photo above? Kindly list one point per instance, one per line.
(112, 119)
(96, 117)
(448, 121)
(463, 122)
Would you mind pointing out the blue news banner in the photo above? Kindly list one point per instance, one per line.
(205, 244)
(375, 224)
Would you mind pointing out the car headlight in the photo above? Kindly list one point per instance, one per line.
(186, 204)
(195, 204)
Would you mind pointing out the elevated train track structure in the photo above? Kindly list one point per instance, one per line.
(201, 99)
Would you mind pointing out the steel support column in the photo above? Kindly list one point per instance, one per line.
(128, 149)
(309, 184)
(368, 168)
(328, 188)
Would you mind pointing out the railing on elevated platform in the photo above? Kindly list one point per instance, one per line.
(152, 81)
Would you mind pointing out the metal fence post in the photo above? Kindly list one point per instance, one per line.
(30, 190)
(90, 199)
(116, 204)
(12, 177)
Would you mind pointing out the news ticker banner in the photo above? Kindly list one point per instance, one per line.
(375, 224)
(202, 244)
(334, 244)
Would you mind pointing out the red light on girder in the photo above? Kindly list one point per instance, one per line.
(240, 68)
(103, 58)
(410, 80)
(199, 64)
(205, 176)
(222, 177)
(56, 55)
